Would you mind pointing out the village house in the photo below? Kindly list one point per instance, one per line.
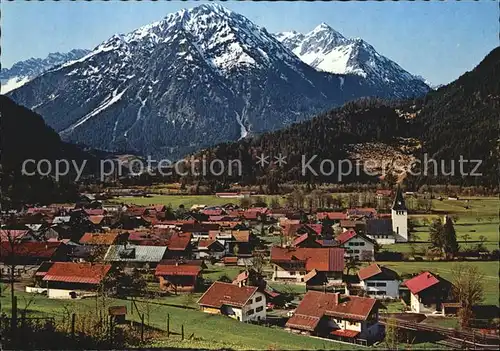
(179, 275)
(379, 282)
(332, 315)
(25, 257)
(136, 256)
(427, 293)
(69, 280)
(356, 245)
(209, 248)
(292, 264)
(245, 303)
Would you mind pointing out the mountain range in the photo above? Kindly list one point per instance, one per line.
(203, 76)
(24, 71)
(329, 51)
(458, 121)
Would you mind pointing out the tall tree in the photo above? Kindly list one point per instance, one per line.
(436, 233)
(450, 245)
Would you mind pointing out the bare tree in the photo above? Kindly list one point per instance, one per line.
(468, 289)
(391, 339)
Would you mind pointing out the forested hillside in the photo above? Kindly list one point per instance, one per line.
(23, 136)
(458, 119)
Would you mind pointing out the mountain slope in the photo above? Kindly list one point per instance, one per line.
(196, 78)
(25, 136)
(459, 119)
(327, 50)
(24, 71)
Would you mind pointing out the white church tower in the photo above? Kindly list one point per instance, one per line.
(399, 216)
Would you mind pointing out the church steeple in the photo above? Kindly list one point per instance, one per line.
(399, 201)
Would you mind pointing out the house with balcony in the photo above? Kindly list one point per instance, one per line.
(243, 303)
(336, 316)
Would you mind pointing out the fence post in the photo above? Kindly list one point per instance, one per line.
(142, 328)
(111, 331)
(182, 332)
(168, 325)
(73, 320)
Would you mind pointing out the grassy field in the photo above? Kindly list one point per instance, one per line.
(489, 269)
(210, 331)
(186, 200)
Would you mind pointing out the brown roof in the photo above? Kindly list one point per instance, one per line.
(71, 272)
(177, 269)
(220, 294)
(321, 259)
(374, 270)
(29, 249)
(99, 238)
(370, 271)
(241, 236)
(317, 304)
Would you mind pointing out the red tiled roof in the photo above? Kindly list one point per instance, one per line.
(317, 304)
(331, 215)
(363, 211)
(299, 321)
(96, 219)
(421, 282)
(212, 212)
(220, 294)
(345, 236)
(178, 241)
(370, 271)
(180, 269)
(230, 259)
(71, 272)
(300, 239)
(316, 227)
(29, 249)
(206, 242)
(95, 212)
(344, 332)
(321, 259)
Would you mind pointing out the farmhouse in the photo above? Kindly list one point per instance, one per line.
(69, 280)
(179, 276)
(336, 316)
(427, 292)
(292, 264)
(379, 282)
(243, 303)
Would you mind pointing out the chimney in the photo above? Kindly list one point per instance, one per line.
(336, 298)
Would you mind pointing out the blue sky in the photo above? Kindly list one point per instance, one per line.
(437, 40)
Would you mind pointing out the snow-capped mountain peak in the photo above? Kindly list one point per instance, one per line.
(327, 50)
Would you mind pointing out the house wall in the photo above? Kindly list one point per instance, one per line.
(379, 291)
(415, 304)
(281, 274)
(253, 305)
(66, 294)
(355, 247)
